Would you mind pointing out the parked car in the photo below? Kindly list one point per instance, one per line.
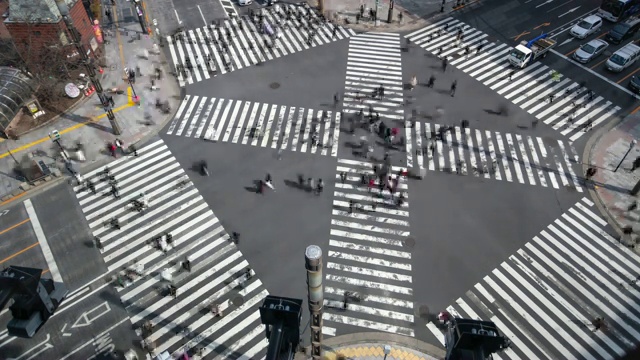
(244, 2)
(634, 84)
(586, 27)
(590, 50)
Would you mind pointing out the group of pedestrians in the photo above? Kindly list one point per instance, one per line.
(381, 179)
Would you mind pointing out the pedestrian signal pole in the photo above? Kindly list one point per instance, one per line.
(313, 262)
(77, 41)
(390, 15)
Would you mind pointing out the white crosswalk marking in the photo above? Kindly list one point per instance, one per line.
(374, 61)
(265, 125)
(143, 261)
(368, 254)
(574, 109)
(504, 153)
(238, 42)
(546, 296)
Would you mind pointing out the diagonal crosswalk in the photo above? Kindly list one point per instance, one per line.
(241, 42)
(546, 297)
(143, 267)
(258, 124)
(368, 255)
(374, 60)
(570, 108)
(493, 155)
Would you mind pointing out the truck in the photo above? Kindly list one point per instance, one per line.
(528, 51)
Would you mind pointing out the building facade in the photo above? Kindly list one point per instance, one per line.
(38, 30)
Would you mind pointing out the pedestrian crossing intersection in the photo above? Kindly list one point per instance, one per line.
(369, 260)
(258, 124)
(240, 42)
(150, 252)
(546, 297)
(374, 60)
(492, 155)
(569, 107)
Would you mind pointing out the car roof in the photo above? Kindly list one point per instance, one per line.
(595, 42)
(592, 18)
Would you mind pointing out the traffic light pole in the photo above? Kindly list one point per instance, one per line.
(76, 38)
(313, 263)
(141, 18)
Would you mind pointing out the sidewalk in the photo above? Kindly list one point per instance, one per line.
(341, 10)
(87, 123)
(611, 189)
(369, 346)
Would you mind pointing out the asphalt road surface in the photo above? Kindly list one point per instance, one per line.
(514, 21)
(501, 227)
(91, 322)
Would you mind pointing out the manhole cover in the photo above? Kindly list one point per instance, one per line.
(274, 85)
(237, 301)
(409, 242)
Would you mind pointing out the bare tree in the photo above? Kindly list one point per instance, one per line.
(45, 56)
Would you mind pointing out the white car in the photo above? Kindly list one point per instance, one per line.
(244, 2)
(586, 27)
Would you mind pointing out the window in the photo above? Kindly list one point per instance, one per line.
(36, 33)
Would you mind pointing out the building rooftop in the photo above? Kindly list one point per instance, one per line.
(35, 11)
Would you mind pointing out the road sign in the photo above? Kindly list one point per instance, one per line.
(54, 135)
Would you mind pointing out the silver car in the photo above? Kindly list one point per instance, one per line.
(590, 50)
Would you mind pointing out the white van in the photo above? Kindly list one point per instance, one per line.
(623, 58)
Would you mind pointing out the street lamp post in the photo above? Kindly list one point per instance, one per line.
(387, 351)
(390, 15)
(77, 41)
(631, 145)
(141, 19)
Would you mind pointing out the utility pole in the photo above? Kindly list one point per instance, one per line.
(77, 41)
(313, 262)
(390, 15)
(631, 145)
(141, 19)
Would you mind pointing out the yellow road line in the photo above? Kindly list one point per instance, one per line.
(19, 252)
(15, 226)
(13, 199)
(62, 132)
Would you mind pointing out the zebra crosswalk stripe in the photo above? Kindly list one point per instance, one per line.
(546, 295)
(573, 109)
(366, 251)
(264, 125)
(247, 46)
(374, 60)
(511, 157)
(140, 270)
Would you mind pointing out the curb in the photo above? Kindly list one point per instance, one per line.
(333, 344)
(589, 147)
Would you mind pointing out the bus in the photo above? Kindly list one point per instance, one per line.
(618, 10)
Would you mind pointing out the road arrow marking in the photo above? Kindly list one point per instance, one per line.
(541, 25)
(4, 212)
(85, 320)
(566, 41)
(544, 3)
(45, 346)
(569, 12)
